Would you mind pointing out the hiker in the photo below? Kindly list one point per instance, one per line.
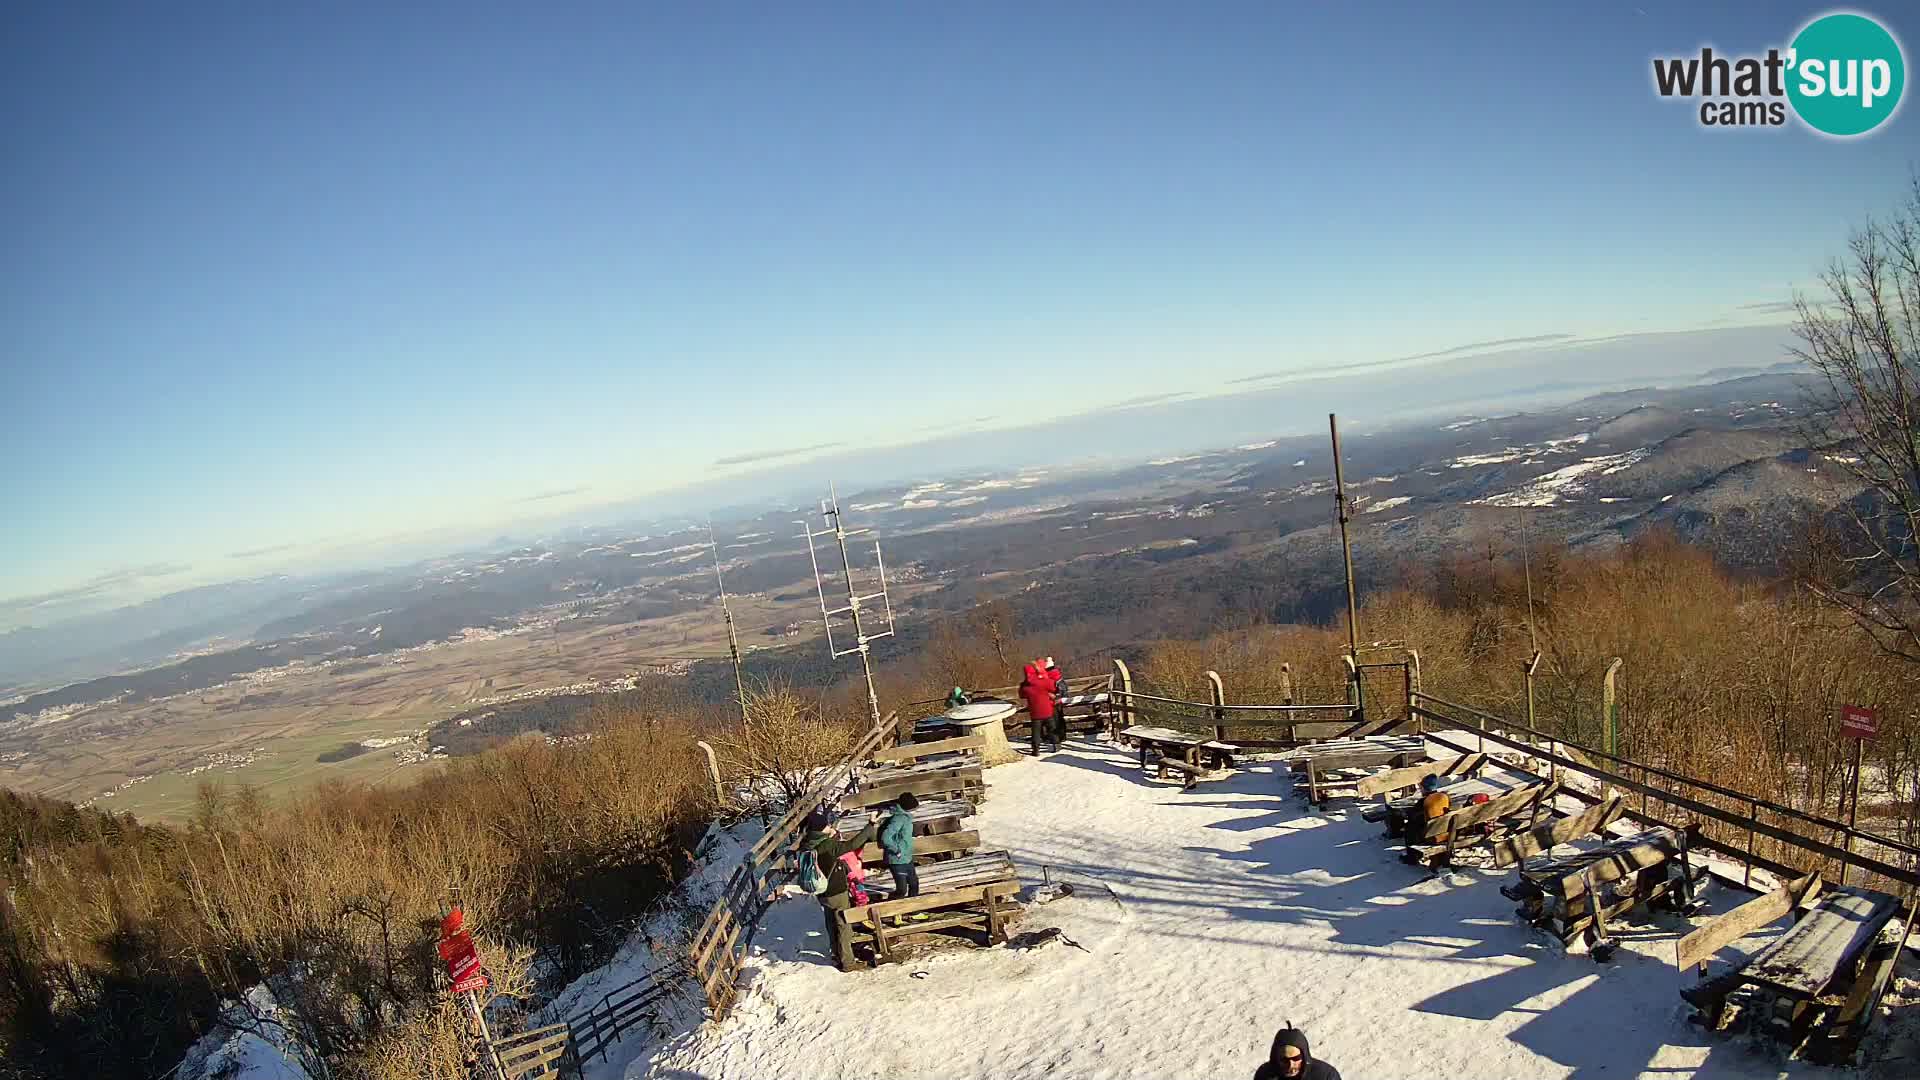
(896, 845)
(1434, 803)
(823, 874)
(1037, 687)
(1291, 1059)
(1059, 710)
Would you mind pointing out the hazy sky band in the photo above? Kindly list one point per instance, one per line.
(278, 279)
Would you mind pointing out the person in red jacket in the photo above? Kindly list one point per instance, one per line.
(1037, 690)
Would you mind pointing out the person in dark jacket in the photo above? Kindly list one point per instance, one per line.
(896, 844)
(824, 844)
(1292, 1059)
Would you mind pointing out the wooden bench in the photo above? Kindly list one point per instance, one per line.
(1438, 840)
(1389, 784)
(1190, 774)
(1815, 985)
(1180, 745)
(974, 892)
(958, 782)
(1577, 894)
(933, 817)
(1090, 711)
(1406, 744)
(930, 849)
(965, 748)
(1324, 770)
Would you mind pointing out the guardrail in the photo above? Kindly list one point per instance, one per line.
(622, 1009)
(536, 1054)
(1561, 753)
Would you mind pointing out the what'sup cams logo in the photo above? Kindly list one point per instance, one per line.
(1842, 76)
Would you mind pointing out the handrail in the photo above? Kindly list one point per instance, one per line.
(1209, 707)
(1788, 811)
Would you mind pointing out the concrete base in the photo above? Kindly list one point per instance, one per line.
(988, 720)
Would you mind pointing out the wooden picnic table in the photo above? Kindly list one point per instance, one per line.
(1805, 960)
(932, 817)
(1577, 893)
(1180, 745)
(979, 868)
(1371, 743)
(1460, 790)
(1327, 771)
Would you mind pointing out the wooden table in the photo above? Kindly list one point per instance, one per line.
(1578, 893)
(979, 868)
(930, 818)
(987, 719)
(1804, 961)
(1180, 745)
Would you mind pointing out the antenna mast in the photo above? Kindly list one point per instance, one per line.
(1346, 553)
(830, 510)
(733, 638)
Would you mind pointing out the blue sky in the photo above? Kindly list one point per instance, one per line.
(279, 280)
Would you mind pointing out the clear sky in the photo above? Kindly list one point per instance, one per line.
(276, 277)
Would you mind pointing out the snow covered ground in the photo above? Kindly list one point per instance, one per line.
(1233, 909)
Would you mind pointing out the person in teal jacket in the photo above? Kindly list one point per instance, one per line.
(896, 844)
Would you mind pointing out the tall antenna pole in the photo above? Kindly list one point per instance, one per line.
(1533, 637)
(733, 638)
(1346, 553)
(830, 509)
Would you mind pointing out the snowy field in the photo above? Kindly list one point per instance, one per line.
(1233, 910)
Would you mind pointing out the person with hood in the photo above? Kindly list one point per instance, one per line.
(1292, 1059)
(822, 843)
(896, 846)
(1434, 803)
(1036, 689)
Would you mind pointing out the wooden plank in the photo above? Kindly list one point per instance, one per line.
(1830, 938)
(928, 845)
(1492, 810)
(1594, 819)
(1616, 864)
(1721, 930)
(930, 814)
(1411, 775)
(930, 786)
(916, 751)
(1369, 759)
(886, 909)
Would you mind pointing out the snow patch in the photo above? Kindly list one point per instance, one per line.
(1388, 504)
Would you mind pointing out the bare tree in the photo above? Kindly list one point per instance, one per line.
(790, 739)
(1863, 341)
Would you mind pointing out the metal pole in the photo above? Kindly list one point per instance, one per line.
(1746, 876)
(853, 607)
(1853, 812)
(733, 639)
(1346, 553)
(486, 1036)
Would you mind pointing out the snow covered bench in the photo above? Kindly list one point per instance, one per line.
(930, 782)
(929, 849)
(1819, 982)
(974, 892)
(1325, 772)
(933, 817)
(1577, 894)
(966, 748)
(1180, 746)
(1190, 773)
(1435, 842)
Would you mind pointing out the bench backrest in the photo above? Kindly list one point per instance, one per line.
(1491, 810)
(916, 751)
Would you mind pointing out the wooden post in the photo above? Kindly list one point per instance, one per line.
(1353, 683)
(1610, 707)
(713, 771)
(1122, 711)
(1746, 877)
(1411, 669)
(1286, 684)
(1218, 693)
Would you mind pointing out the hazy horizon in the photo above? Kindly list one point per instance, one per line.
(383, 289)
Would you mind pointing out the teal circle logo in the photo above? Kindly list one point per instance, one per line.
(1845, 74)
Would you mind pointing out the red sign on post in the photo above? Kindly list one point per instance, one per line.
(1859, 723)
(463, 961)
